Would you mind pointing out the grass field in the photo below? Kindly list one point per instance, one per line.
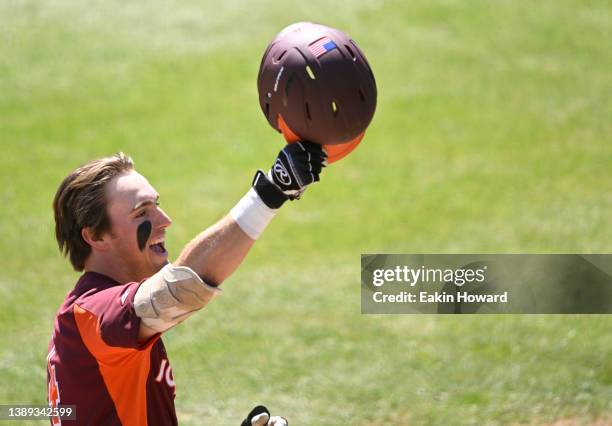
(492, 134)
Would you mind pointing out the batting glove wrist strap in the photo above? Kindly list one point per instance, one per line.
(270, 193)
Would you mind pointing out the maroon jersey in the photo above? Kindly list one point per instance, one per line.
(96, 363)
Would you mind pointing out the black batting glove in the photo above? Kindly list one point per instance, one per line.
(260, 416)
(297, 165)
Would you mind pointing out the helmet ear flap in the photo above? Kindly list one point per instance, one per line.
(315, 84)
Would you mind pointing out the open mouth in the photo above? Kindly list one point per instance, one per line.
(158, 247)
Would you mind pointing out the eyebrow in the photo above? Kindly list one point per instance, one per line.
(145, 203)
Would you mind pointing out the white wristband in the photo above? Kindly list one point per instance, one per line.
(252, 215)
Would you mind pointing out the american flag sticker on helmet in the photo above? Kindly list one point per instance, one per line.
(321, 46)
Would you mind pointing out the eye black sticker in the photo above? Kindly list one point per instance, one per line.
(143, 233)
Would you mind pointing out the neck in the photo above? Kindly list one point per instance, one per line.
(113, 268)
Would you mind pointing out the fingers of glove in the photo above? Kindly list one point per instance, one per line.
(307, 169)
(318, 158)
(317, 161)
(296, 154)
(302, 168)
(317, 167)
(293, 154)
(314, 159)
(311, 175)
(311, 162)
(278, 421)
(318, 155)
(260, 419)
(313, 148)
(304, 148)
(307, 175)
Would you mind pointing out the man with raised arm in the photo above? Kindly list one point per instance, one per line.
(106, 356)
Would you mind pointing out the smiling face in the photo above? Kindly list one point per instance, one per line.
(132, 201)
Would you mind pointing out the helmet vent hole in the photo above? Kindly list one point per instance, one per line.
(351, 52)
(362, 96)
(310, 73)
(308, 111)
(334, 107)
(267, 110)
(281, 55)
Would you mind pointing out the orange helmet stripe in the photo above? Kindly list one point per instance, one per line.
(334, 152)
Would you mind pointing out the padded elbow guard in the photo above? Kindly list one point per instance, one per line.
(170, 296)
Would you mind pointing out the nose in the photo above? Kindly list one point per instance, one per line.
(164, 220)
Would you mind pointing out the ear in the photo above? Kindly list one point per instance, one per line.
(97, 243)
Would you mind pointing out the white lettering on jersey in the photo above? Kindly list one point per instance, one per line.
(165, 372)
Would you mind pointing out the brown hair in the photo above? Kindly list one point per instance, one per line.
(80, 202)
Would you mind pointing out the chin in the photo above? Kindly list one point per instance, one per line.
(153, 262)
(159, 262)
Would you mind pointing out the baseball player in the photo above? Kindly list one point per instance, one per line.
(106, 356)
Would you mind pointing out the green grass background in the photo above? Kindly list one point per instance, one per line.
(493, 133)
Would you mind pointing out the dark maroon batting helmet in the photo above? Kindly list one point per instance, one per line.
(315, 84)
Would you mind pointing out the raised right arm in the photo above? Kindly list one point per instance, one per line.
(179, 290)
